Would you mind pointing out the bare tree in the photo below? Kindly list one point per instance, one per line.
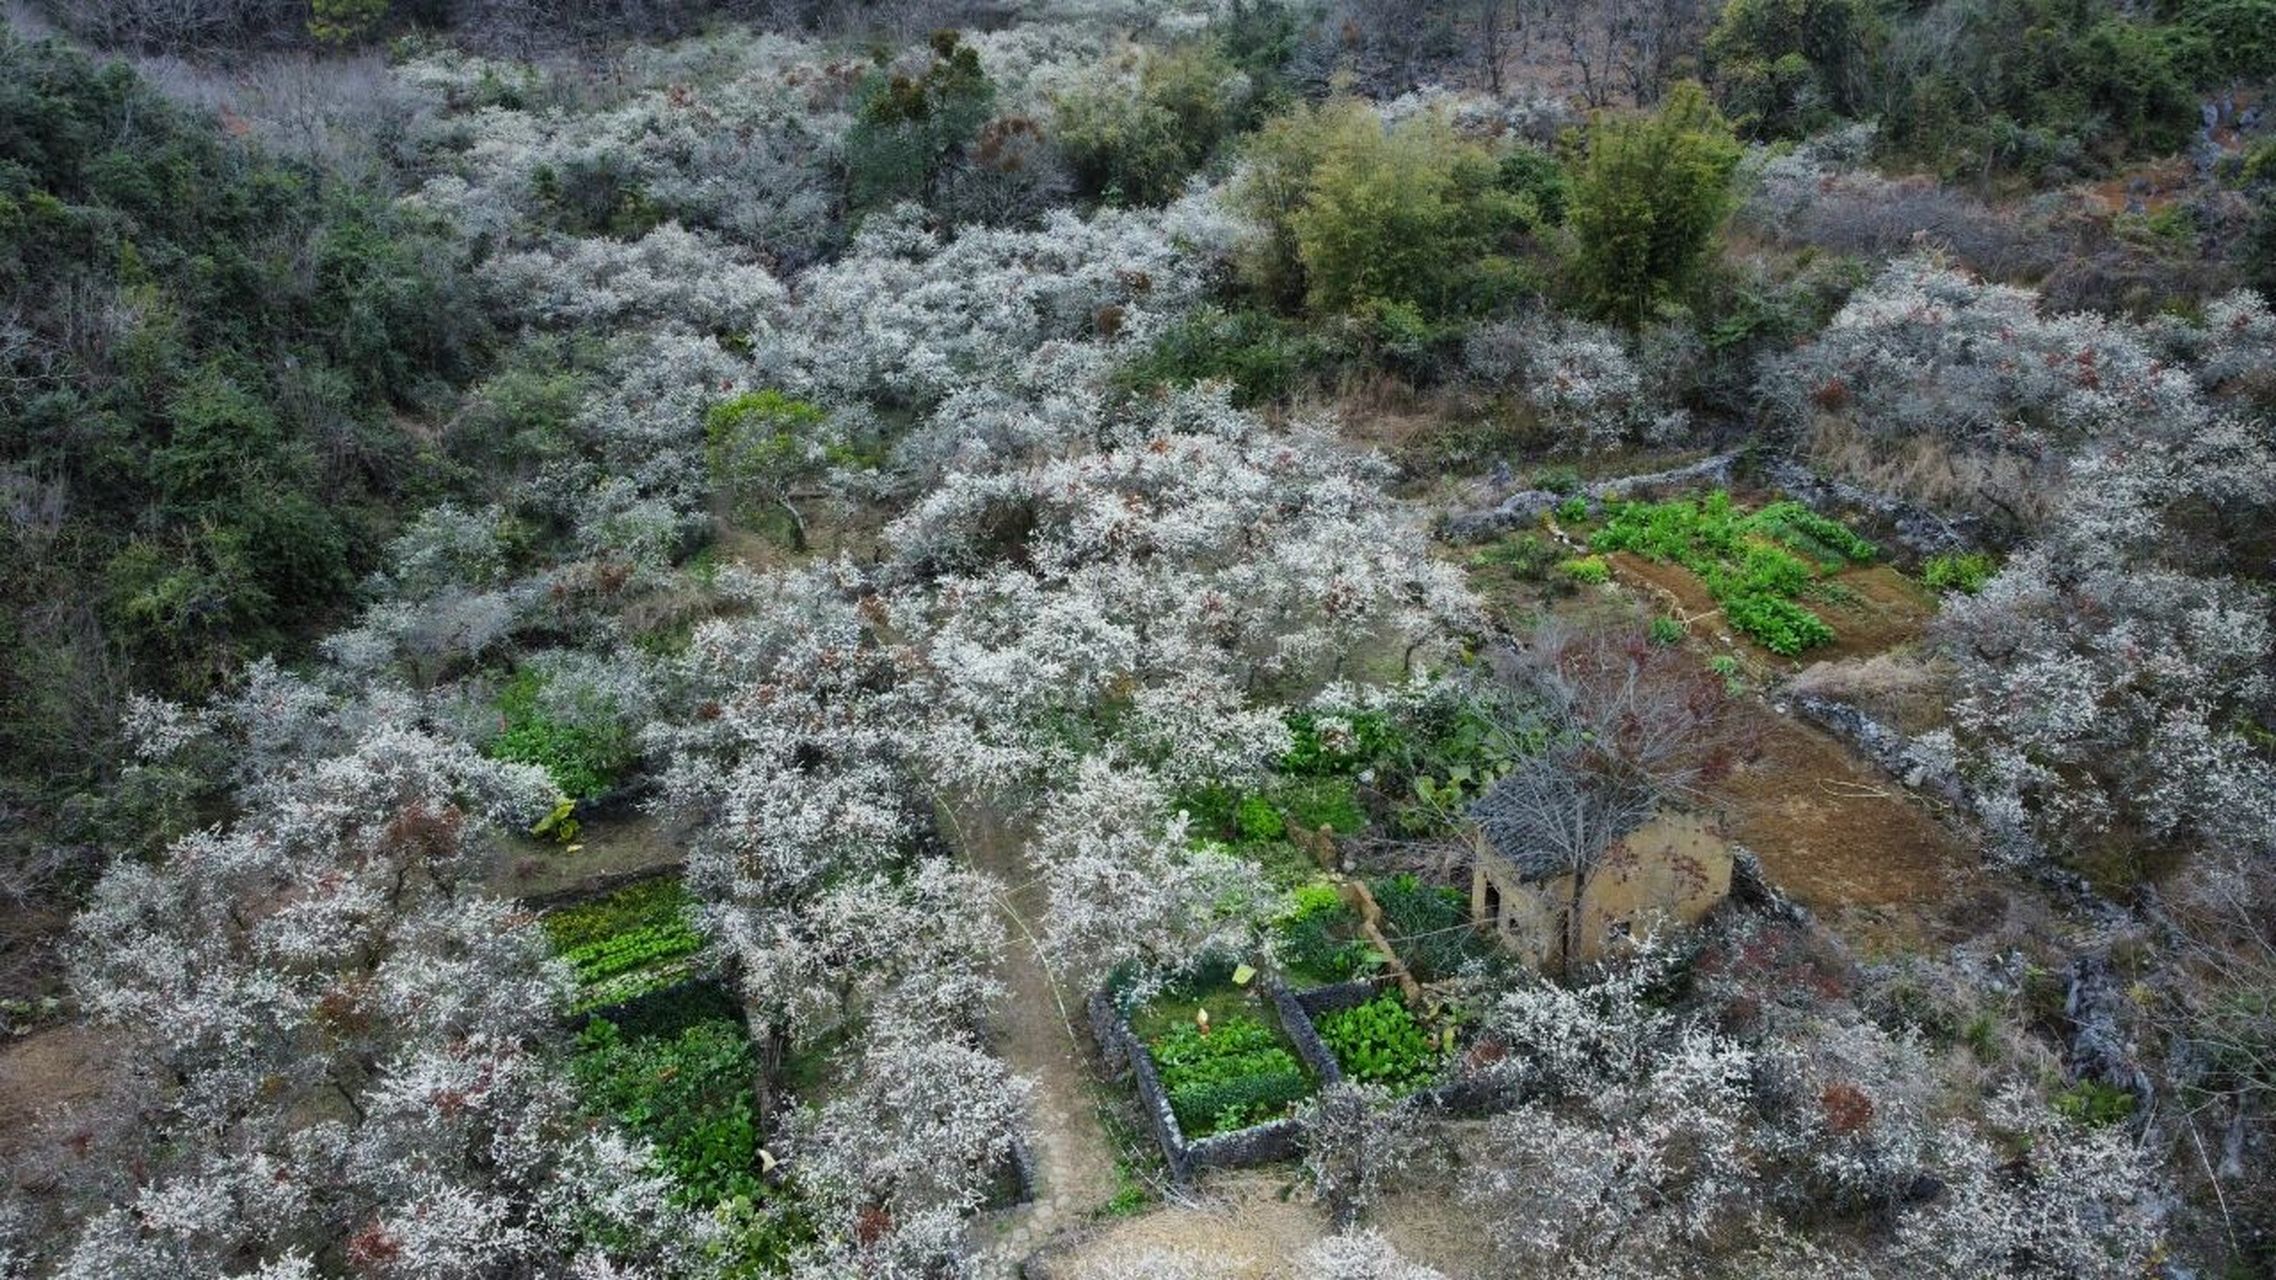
(1631, 727)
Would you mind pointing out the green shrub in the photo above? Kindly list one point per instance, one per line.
(1238, 1075)
(1380, 1042)
(1667, 631)
(907, 129)
(1648, 202)
(1356, 215)
(1528, 557)
(1264, 357)
(227, 424)
(1426, 924)
(1367, 737)
(1592, 570)
(1962, 571)
(2090, 1102)
(1785, 68)
(1317, 936)
(1538, 177)
(1829, 542)
(1135, 144)
(1314, 803)
(762, 445)
(1258, 819)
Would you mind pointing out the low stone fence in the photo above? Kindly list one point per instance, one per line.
(1529, 505)
(1258, 1144)
(1274, 1140)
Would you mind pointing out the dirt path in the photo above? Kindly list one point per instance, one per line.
(1040, 1035)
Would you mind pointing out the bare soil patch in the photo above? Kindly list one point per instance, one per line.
(44, 1073)
(1832, 831)
(524, 868)
(1040, 1035)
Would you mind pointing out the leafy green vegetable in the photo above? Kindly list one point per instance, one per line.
(1380, 1042)
(1238, 1075)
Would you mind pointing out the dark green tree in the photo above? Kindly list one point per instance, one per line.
(1648, 202)
(908, 129)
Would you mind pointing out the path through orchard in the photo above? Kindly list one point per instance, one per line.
(1040, 1035)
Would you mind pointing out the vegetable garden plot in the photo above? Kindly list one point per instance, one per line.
(627, 944)
(674, 1068)
(1381, 1042)
(1241, 1071)
(1759, 566)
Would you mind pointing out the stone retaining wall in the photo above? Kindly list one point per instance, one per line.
(1265, 1143)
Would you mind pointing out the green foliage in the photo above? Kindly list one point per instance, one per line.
(1136, 143)
(211, 350)
(1358, 217)
(1648, 202)
(1238, 1075)
(560, 823)
(1782, 626)
(1263, 356)
(1827, 541)
(1257, 819)
(2046, 88)
(907, 129)
(1317, 937)
(344, 21)
(1536, 176)
(1528, 557)
(2090, 1102)
(2213, 41)
(1666, 631)
(1786, 68)
(1380, 1042)
(1589, 570)
(584, 753)
(1427, 924)
(761, 445)
(1749, 563)
(596, 196)
(1363, 737)
(1962, 571)
(632, 941)
(685, 1089)
(1314, 803)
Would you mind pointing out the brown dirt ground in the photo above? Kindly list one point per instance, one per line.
(523, 867)
(1039, 1034)
(1832, 831)
(1249, 1225)
(43, 1073)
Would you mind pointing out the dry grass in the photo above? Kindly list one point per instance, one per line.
(1999, 485)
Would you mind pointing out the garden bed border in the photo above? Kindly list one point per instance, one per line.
(1266, 1143)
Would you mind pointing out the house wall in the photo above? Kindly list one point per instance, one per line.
(1674, 868)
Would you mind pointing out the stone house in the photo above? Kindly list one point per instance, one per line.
(1671, 867)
